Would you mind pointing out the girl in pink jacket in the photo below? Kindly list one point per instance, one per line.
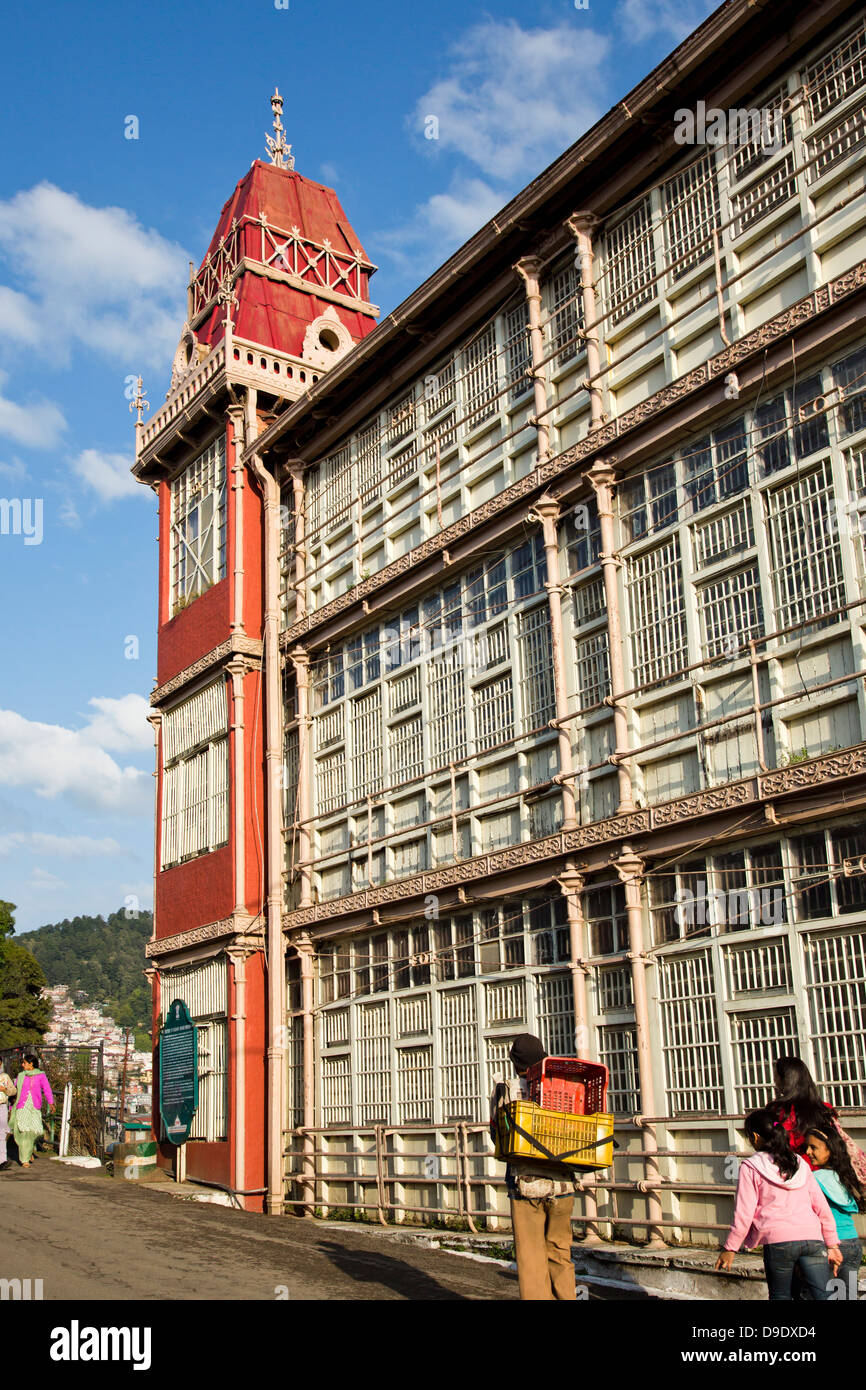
(781, 1207)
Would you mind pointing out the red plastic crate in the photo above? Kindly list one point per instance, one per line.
(568, 1084)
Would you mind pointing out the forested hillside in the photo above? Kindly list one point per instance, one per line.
(103, 957)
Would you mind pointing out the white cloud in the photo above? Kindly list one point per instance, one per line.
(515, 98)
(74, 846)
(15, 469)
(89, 275)
(120, 725)
(37, 425)
(671, 20)
(55, 761)
(444, 222)
(108, 474)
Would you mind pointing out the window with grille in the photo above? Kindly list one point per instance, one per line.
(750, 888)
(589, 602)
(401, 418)
(648, 503)
(805, 559)
(447, 707)
(582, 529)
(614, 989)
(631, 268)
(835, 144)
(657, 608)
(500, 947)
(518, 353)
(548, 926)
(566, 314)
(439, 390)
(680, 902)
(731, 612)
(592, 668)
(835, 966)
(758, 1040)
(536, 656)
(330, 782)
(195, 808)
(759, 199)
(690, 1035)
(480, 382)
(723, 536)
(401, 466)
(606, 919)
(486, 591)
(554, 1004)
(414, 1084)
(198, 525)
(836, 75)
(407, 751)
(459, 1053)
(373, 1065)
(336, 1090)
(792, 425)
(691, 202)
(369, 455)
(617, 1050)
(849, 376)
(716, 467)
(762, 968)
(764, 138)
(493, 708)
(366, 727)
(528, 568)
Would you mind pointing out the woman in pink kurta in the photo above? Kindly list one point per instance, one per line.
(33, 1092)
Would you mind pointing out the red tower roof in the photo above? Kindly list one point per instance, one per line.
(289, 252)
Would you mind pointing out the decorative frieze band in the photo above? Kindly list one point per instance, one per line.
(236, 645)
(212, 931)
(595, 443)
(767, 785)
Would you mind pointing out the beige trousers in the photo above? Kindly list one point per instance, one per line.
(542, 1244)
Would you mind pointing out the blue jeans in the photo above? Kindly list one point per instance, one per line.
(852, 1253)
(809, 1257)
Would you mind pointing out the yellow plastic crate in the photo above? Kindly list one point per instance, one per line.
(553, 1135)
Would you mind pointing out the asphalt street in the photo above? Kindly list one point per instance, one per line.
(90, 1237)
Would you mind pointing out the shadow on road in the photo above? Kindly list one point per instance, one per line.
(403, 1278)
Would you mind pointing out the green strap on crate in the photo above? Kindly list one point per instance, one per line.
(560, 1158)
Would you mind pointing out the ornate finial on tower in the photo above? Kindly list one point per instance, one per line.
(280, 152)
(138, 404)
(227, 296)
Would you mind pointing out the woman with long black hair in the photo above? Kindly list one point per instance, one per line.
(798, 1105)
(781, 1207)
(835, 1175)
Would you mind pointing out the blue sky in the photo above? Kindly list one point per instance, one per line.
(95, 234)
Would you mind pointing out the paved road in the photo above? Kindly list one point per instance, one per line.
(88, 1236)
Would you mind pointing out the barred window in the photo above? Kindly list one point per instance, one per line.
(366, 730)
(459, 1053)
(447, 707)
(407, 749)
(536, 655)
(791, 426)
(717, 467)
(566, 314)
(805, 559)
(835, 966)
(758, 200)
(493, 706)
(195, 814)
(480, 377)
(518, 353)
(617, 1050)
(657, 608)
(592, 666)
(648, 503)
(691, 214)
(731, 612)
(690, 1035)
(850, 378)
(765, 137)
(841, 71)
(631, 265)
(758, 1040)
(330, 782)
(835, 144)
(369, 454)
(723, 536)
(198, 525)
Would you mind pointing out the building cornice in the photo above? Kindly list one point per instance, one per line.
(754, 791)
(237, 927)
(818, 302)
(248, 648)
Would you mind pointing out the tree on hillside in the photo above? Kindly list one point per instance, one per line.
(24, 1016)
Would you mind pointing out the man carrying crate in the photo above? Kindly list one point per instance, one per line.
(542, 1196)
